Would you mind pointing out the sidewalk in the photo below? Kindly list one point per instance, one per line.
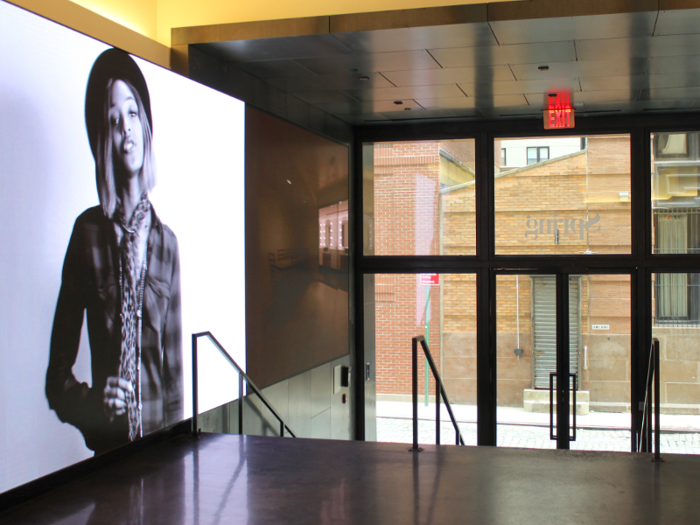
(518, 416)
(520, 429)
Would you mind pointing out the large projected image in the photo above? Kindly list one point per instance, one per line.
(121, 260)
(122, 210)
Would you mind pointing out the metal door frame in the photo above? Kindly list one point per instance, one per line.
(563, 431)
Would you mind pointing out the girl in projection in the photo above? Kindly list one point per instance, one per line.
(122, 268)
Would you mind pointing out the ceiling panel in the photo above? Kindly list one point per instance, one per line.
(678, 22)
(324, 97)
(592, 68)
(311, 82)
(416, 38)
(668, 65)
(509, 54)
(370, 107)
(449, 76)
(447, 103)
(628, 48)
(511, 112)
(670, 93)
(501, 101)
(574, 28)
(433, 114)
(640, 82)
(521, 87)
(366, 63)
(639, 106)
(597, 97)
(415, 92)
(278, 48)
(270, 69)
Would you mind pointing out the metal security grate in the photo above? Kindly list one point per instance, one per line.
(544, 326)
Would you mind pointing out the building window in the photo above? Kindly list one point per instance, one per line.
(503, 157)
(674, 145)
(538, 154)
(677, 299)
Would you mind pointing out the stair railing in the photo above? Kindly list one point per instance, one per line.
(439, 392)
(242, 376)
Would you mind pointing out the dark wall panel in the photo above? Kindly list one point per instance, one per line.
(296, 249)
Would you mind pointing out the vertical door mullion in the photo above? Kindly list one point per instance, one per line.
(485, 292)
(486, 358)
(562, 387)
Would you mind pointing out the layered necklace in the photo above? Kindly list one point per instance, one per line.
(132, 281)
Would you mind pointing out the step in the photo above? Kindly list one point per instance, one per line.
(535, 400)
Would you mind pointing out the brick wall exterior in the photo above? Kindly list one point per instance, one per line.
(407, 222)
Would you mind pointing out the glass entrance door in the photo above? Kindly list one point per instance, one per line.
(563, 392)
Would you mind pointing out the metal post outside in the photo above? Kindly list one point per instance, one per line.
(657, 405)
(437, 412)
(195, 404)
(240, 403)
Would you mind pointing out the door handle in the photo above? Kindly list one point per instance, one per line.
(575, 378)
(552, 435)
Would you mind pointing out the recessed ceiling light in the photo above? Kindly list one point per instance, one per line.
(543, 68)
(289, 181)
(364, 79)
(398, 102)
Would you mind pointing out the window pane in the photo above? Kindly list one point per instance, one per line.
(419, 198)
(531, 155)
(675, 182)
(575, 201)
(442, 308)
(676, 318)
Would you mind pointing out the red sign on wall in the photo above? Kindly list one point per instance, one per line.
(430, 279)
(559, 111)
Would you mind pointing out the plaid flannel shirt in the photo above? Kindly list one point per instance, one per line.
(90, 283)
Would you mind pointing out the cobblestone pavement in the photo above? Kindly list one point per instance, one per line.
(395, 430)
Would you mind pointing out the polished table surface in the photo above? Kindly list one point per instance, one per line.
(249, 479)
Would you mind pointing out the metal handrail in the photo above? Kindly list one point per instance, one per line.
(646, 429)
(241, 377)
(439, 391)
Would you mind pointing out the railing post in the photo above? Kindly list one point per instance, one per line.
(647, 407)
(240, 403)
(657, 404)
(414, 370)
(195, 404)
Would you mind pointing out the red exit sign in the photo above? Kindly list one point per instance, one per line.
(559, 112)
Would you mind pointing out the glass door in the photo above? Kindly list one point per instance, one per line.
(563, 392)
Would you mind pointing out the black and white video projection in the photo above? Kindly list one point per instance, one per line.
(121, 234)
